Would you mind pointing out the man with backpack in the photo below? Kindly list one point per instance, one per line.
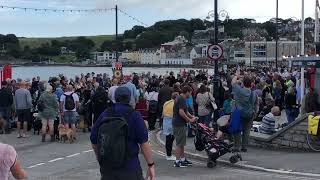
(245, 100)
(69, 102)
(116, 139)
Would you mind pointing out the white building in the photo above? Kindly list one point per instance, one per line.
(150, 56)
(199, 51)
(175, 61)
(104, 57)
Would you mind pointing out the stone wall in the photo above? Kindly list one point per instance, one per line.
(293, 136)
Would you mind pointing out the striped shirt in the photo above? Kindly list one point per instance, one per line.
(268, 124)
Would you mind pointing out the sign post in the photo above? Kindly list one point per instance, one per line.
(117, 69)
(215, 52)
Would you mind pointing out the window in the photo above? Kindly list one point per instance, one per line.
(259, 51)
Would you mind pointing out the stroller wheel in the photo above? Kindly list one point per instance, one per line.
(234, 159)
(211, 164)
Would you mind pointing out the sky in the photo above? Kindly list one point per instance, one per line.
(53, 24)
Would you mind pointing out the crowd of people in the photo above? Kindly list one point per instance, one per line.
(174, 101)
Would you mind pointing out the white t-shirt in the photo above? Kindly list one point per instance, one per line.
(75, 99)
(151, 96)
(112, 90)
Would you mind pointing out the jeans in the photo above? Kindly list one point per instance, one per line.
(291, 115)
(5, 113)
(152, 120)
(205, 119)
(169, 143)
(242, 138)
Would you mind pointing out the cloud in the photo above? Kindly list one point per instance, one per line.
(258, 9)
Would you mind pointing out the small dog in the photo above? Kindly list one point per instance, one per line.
(65, 134)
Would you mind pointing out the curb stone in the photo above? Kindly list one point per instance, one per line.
(242, 165)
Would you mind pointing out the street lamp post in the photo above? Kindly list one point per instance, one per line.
(302, 29)
(250, 51)
(117, 56)
(216, 69)
(277, 36)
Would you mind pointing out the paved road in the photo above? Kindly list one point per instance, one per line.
(50, 161)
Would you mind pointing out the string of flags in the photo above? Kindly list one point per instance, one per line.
(133, 18)
(104, 10)
(56, 10)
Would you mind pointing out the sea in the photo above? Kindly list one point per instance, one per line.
(45, 72)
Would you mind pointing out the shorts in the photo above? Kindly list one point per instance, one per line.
(50, 122)
(180, 133)
(70, 117)
(133, 174)
(167, 126)
(23, 115)
(5, 112)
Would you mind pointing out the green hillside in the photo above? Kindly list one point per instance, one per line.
(36, 42)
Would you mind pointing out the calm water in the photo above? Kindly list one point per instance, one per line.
(71, 72)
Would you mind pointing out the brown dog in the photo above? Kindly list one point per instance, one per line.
(65, 134)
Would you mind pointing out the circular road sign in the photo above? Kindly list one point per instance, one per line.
(215, 52)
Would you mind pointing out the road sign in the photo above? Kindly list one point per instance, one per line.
(215, 52)
(117, 65)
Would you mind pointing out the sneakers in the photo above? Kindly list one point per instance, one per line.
(180, 164)
(170, 158)
(188, 163)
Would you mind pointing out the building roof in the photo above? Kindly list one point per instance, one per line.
(198, 50)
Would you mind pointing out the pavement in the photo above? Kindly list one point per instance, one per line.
(283, 162)
(64, 161)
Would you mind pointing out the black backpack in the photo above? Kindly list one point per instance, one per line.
(153, 106)
(112, 143)
(69, 104)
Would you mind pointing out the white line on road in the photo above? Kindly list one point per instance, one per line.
(256, 168)
(73, 155)
(40, 164)
(87, 151)
(54, 160)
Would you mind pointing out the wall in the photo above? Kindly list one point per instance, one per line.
(290, 137)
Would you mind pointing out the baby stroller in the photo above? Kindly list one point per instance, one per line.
(206, 139)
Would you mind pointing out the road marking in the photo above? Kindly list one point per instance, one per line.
(256, 168)
(72, 155)
(87, 151)
(54, 160)
(40, 164)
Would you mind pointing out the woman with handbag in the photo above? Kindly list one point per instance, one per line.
(205, 102)
(48, 110)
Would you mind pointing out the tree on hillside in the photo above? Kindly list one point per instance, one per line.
(134, 32)
(143, 43)
(11, 45)
(82, 47)
(128, 45)
(270, 27)
(112, 45)
(106, 46)
(47, 50)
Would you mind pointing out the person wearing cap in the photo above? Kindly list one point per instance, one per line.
(137, 138)
(23, 102)
(134, 92)
(49, 112)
